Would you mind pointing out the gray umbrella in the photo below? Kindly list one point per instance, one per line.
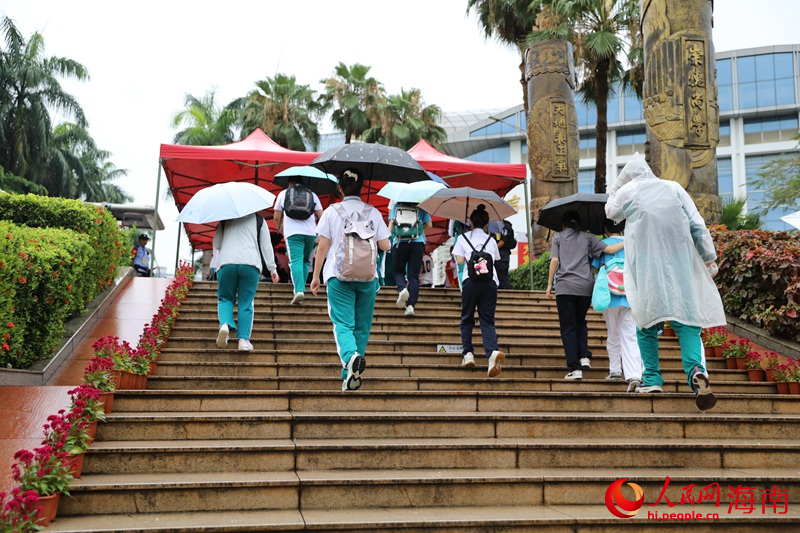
(458, 204)
(373, 161)
(591, 208)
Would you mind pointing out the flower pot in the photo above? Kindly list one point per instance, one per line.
(794, 387)
(709, 351)
(127, 380)
(730, 363)
(717, 351)
(756, 374)
(740, 363)
(77, 464)
(116, 377)
(153, 367)
(783, 387)
(107, 399)
(91, 429)
(141, 381)
(769, 373)
(48, 506)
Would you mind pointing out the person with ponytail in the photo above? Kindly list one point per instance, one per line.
(350, 303)
(479, 293)
(570, 255)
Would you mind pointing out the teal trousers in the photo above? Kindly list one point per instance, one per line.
(691, 352)
(350, 307)
(300, 247)
(237, 282)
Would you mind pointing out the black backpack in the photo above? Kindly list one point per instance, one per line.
(509, 239)
(480, 265)
(298, 202)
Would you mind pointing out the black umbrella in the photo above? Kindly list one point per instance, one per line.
(373, 161)
(591, 209)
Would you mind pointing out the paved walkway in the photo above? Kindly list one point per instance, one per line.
(26, 408)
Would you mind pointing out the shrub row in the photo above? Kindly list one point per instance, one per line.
(521, 276)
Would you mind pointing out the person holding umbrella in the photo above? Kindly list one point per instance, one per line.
(570, 255)
(350, 303)
(298, 215)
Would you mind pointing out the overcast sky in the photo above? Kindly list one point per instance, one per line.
(144, 57)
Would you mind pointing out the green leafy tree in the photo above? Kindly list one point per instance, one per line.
(15, 184)
(734, 217)
(509, 22)
(605, 37)
(353, 95)
(206, 123)
(285, 110)
(29, 90)
(780, 179)
(402, 120)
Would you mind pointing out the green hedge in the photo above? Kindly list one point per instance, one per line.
(759, 278)
(521, 276)
(40, 276)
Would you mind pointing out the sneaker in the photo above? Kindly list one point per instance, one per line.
(495, 363)
(614, 376)
(468, 360)
(586, 363)
(575, 374)
(222, 336)
(402, 298)
(298, 298)
(409, 310)
(648, 388)
(703, 397)
(633, 383)
(355, 367)
(245, 346)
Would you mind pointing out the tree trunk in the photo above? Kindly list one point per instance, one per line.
(601, 79)
(524, 86)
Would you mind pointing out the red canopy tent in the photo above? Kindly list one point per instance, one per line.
(497, 177)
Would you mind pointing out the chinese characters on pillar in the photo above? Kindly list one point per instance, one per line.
(694, 52)
(558, 123)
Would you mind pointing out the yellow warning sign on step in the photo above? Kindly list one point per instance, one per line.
(448, 348)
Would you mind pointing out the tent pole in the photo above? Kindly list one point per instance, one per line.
(178, 247)
(155, 214)
(528, 222)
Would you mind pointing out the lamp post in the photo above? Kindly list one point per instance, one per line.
(526, 184)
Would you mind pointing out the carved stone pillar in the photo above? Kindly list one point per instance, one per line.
(552, 127)
(680, 98)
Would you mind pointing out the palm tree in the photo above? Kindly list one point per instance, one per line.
(353, 96)
(402, 120)
(733, 216)
(206, 123)
(601, 33)
(510, 22)
(29, 90)
(285, 110)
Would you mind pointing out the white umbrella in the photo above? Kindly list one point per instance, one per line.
(412, 193)
(225, 201)
(793, 219)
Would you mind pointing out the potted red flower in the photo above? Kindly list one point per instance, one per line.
(783, 372)
(734, 351)
(770, 362)
(44, 470)
(713, 339)
(99, 375)
(19, 511)
(752, 362)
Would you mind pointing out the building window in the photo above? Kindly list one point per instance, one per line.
(632, 106)
(587, 147)
(725, 133)
(773, 129)
(613, 107)
(630, 142)
(587, 113)
(586, 180)
(501, 154)
(496, 128)
(725, 85)
(765, 80)
(755, 197)
(725, 179)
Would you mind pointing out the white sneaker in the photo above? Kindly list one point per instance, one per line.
(468, 360)
(614, 376)
(646, 389)
(586, 363)
(495, 363)
(298, 298)
(402, 298)
(245, 346)
(222, 336)
(575, 374)
(409, 310)
(355, 367)
(633, 384)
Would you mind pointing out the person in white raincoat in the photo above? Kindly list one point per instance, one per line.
(670, 262)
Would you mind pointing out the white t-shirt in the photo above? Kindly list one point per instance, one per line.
(292, 226)
(477, 237)
(331, 226)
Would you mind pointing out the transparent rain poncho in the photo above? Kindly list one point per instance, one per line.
(667, 246)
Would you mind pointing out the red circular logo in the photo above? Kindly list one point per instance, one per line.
(614, 499)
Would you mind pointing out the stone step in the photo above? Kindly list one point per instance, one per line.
(371, 425)
(472, 519)
(231, 455)
(310, 401)
(390, 488)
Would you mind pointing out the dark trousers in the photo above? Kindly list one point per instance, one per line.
(502, 273)
(574, 333)
(483, 295)
(407, 265)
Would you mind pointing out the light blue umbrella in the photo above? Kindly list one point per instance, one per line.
(412, 193)
(225, 201)
(312, 177)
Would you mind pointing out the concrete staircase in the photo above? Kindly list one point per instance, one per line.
(266, 441)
